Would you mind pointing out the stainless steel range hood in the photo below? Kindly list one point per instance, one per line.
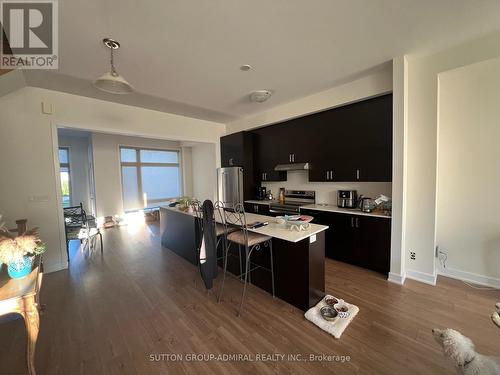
(292, 167)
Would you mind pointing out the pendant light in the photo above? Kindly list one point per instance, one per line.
(112, 82)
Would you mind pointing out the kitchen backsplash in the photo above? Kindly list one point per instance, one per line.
(326, 192)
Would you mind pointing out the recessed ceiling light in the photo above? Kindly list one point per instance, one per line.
(245, 67)
(260, 96)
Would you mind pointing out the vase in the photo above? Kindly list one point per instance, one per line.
(20, 268)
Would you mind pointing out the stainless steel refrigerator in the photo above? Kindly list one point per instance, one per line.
(230, 186)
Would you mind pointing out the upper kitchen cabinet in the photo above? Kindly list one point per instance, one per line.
(236, 149)
(372, 120)
(354, 142)
(344, 144)
(268, 153)
(334, 145)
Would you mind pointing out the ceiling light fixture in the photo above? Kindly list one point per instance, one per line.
(260, 96)
(112, 82)
(245, 67)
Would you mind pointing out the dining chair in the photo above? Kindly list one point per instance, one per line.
(79, 226)
(251, 241)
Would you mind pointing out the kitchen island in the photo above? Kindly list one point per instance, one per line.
(299, 256)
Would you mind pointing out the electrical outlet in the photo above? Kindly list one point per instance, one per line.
(412, 255)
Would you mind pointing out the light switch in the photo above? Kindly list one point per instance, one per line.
(47, 108)
(312, 239)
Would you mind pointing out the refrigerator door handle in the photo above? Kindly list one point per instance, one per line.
(224, 187)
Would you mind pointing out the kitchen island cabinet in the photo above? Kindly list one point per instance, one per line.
(299, 257)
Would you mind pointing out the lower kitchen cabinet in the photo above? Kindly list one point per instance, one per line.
(356, 239)
(257, 208)
(374, 240)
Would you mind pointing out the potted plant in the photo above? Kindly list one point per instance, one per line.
(18, 252)
(184, 203)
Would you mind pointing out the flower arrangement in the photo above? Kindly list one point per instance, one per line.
(14, 248)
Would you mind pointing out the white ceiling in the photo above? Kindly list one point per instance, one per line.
(185, 55)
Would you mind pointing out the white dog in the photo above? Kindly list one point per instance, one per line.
(460, 350)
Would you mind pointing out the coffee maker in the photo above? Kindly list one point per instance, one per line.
(261, 193)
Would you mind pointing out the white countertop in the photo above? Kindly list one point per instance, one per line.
(273, 229)
(263, 201)
(351, 211)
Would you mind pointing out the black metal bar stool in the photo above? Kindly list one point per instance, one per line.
(250, 241)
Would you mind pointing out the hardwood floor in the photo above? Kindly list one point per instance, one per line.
(106, 315)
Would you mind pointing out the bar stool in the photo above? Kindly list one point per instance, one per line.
(221, 229)
(250, 240)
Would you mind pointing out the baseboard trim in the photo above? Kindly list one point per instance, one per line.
(470, 277)
(49, 268)
(422, 277)
(396, 278)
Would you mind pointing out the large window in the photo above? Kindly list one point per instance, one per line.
(64, 173)
(149, 177)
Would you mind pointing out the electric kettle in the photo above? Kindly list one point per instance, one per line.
(366, 204)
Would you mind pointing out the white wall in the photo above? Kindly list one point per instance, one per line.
(326, 192)
(79, 168)
(28, 138)
(107, 172)
(467, 219)
(187, 170)
(204, 171)
(374, 84)
(399, 191)
(421, 147)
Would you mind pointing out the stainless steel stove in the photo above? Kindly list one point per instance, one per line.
(294, 199)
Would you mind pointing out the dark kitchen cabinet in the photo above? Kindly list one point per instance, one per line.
(257, 208)
(353, 142)
(344, 144)
(373, 240)
(372, 120)
(237, 150)
(267, 144)
(334, 148)
(364, 241)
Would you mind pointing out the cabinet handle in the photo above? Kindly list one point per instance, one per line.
(230, 161)
(357, 174)
(331, 175)
(293, 158)
(289, 158)
(352, 222)
(265, 176)
(256, 208)
(327, 174)
(357, 222)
